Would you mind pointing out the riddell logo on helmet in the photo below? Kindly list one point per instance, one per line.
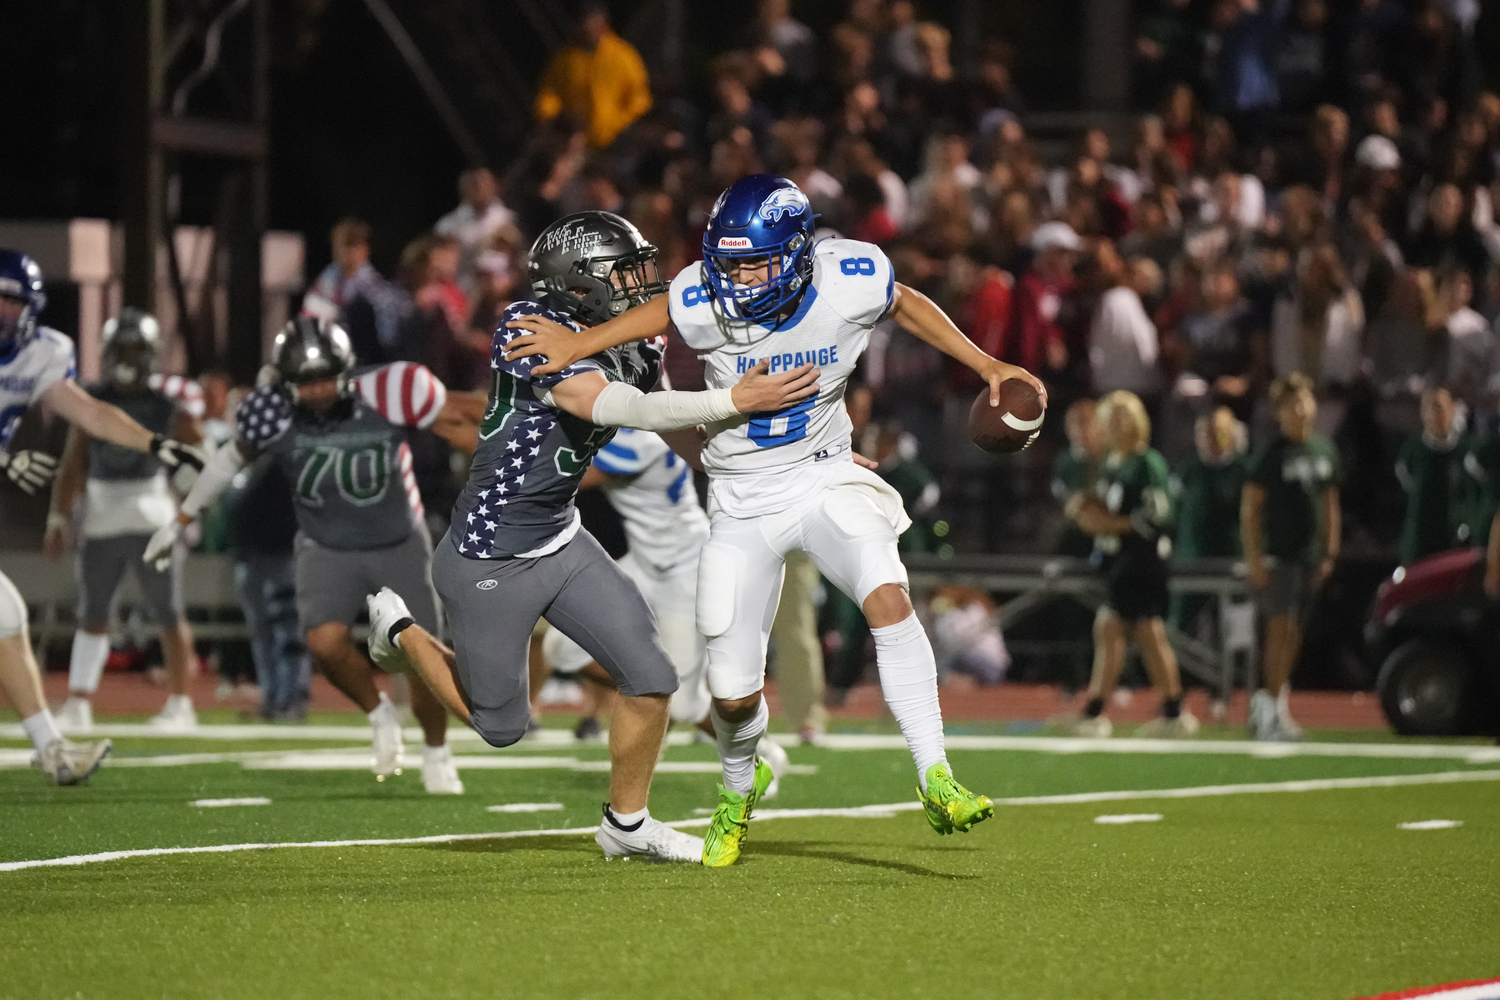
(735, 243)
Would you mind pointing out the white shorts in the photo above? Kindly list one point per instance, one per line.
(13, 615)
(845, 532)
(672, 597)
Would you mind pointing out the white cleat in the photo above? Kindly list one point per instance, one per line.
(1184, 727)
(67, 763)
(177, 715)
(651, 841)
(1268, 722)
(1097, 728)
(386, 609)
(385, 740)
(439, 774)
(772, 753)
(76, 715)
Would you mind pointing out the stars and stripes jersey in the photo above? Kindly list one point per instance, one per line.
(350, 468)
(531, 455)
(29, 368)
(184, 391)
(664, 524)
(751, 457)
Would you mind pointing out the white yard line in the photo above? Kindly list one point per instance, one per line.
(253, 800)
(859, 812)
(553, 739)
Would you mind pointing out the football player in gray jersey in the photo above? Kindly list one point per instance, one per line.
(126, 499)
(515, 552)
(340, 439)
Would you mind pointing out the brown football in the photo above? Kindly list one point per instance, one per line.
(1012, 425)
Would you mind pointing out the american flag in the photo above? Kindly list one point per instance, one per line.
(184, 391)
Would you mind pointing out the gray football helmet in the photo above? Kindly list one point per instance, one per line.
(131, 341)
(309, 349)
(593, 266)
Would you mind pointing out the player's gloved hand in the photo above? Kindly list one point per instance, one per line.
(760, 392)
(158, 553)
(28, 469)
(173, 454)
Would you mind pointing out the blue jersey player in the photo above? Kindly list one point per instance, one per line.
(515, 551)
(36, 366)
(785, 478)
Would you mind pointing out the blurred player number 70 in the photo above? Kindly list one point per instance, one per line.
(1012, 425)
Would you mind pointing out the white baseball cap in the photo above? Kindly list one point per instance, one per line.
(1378, 153)
(1055, 234)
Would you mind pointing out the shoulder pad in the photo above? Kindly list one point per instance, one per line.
(690, 304)
(855, 279)
(630, 452)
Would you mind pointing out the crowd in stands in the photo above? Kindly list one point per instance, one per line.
(1310, 187)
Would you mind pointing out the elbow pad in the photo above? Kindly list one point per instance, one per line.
(217, 473)
(621, 405)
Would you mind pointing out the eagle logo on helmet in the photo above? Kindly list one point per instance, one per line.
(783, 202)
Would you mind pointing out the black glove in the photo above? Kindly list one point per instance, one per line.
(29, 470)
(175, 454)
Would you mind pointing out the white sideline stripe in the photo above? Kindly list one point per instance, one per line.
(252, 800)
(1483, 991)
(525, 807)
(1432, 824)
(561, 738)
(1129, 818)
(1256, 788)
(359, 760)
(884, 811)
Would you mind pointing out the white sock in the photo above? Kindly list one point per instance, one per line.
(180, 701)
(1284, 698)
(377, 714)
(86, 664)
(629, 819)
(42, 728)
(908, 678)
(437, 753)
(737, 742)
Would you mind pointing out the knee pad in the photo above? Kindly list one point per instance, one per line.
(867, 541)
(690, 703)
(719, 569)
(501, 727)
(12, 609)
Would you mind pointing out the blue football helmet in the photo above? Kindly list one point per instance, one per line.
(759, 216)
(21, 278)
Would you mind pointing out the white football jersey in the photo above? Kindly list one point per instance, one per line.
(29, 370)
(664, 524)
(851, 290)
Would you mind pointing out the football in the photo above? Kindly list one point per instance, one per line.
(1011, 426)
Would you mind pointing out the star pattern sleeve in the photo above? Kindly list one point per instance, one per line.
(262, 418)
(522, 367)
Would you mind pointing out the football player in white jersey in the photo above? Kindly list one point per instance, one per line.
(36, 365)
(651, 487)
(787, 480)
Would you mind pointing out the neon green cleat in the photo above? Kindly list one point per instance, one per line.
(731, 821)
(950, 806)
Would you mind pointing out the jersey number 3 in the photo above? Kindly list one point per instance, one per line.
(361, 474)
(784, 426)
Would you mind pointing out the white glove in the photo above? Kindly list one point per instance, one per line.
(159, 548)
(29, 469)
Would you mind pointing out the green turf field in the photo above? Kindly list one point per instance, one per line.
(1313, 894)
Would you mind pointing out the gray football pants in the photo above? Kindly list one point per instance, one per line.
(493, 604)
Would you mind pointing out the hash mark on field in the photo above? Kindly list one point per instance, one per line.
(525, 807)
(1129, 818)
(1432, 824)
(253, 800)
(860, 812)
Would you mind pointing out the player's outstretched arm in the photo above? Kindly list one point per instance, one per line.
(615, 404)
(920, 316)
(458, 421)
(99, 419)
(562, 346)
(212, 481)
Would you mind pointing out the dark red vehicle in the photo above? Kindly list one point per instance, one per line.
(1437, 639)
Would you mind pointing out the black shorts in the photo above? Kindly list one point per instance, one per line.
(1137, 586)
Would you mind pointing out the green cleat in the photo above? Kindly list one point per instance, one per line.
(731, 820)
(950, 806)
